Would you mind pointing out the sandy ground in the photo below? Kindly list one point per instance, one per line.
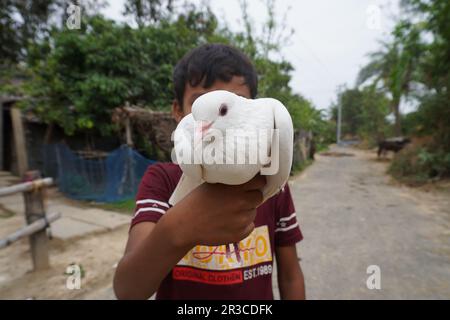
(95, 249)
(351, 213)
(97, 254)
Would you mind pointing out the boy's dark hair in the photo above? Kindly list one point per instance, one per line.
(211, 62)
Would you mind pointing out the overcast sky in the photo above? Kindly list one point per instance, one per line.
(330, 43)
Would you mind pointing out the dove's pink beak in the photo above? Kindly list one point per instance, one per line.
(203, 127)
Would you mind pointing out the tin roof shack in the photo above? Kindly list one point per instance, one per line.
(149, 131)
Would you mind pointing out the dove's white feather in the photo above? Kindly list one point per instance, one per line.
(282, 148)
(192, 173)
(246, 115)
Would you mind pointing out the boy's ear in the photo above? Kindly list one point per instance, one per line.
(177, 111)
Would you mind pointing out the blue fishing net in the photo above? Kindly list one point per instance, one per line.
(112, 178)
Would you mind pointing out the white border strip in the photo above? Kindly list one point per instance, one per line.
(287, 228)
(288, 218)
(152, 201)
(149, 209)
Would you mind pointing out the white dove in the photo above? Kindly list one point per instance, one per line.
(229, 139)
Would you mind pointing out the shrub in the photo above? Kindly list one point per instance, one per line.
(421, 162)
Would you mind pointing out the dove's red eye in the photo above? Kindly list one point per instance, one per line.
(223, 110)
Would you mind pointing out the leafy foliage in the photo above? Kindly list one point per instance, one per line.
(80, 77)
(393, 66)
(147, 12)
(15, 33)
(417, 164)
(75, 78)
(364, 113)
(415, 65)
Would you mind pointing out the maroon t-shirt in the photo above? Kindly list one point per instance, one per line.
(213, 272)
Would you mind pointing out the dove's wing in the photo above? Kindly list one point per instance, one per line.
(183, 188)
(281, 150)
(192, 173)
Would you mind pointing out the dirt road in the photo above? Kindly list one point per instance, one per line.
(353, 216)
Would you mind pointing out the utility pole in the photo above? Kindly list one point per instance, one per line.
(339, 121)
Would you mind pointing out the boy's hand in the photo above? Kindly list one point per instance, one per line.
(216, 214)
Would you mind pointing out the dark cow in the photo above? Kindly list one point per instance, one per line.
(392, 144)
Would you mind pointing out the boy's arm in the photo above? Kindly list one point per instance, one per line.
(152, 250)
(287, 234)
(212, 214)
(290, 276)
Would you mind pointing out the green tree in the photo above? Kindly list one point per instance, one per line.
(147, 12)
(25, 22)
(77, 77)
(85, 74)
(22, 21)
(364, 112)
(421, 72)
(374, 110)
(393, 66)
(434, 68)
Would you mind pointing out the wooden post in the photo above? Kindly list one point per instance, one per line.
(35, 210)
(128, 132)
(1, 135)
(19, 141)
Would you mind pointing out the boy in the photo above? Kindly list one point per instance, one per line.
(180, 251)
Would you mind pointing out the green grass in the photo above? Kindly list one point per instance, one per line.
(299, 167)
(323, 148)
(124, 206)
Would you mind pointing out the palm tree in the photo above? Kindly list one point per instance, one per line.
(394, 66)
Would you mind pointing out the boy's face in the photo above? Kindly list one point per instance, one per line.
(236, 85)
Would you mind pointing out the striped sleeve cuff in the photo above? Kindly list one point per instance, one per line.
(150, 210)
(150, 205)
(287, 223)
(287, 231)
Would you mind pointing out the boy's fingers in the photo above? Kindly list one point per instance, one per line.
(258, 182)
